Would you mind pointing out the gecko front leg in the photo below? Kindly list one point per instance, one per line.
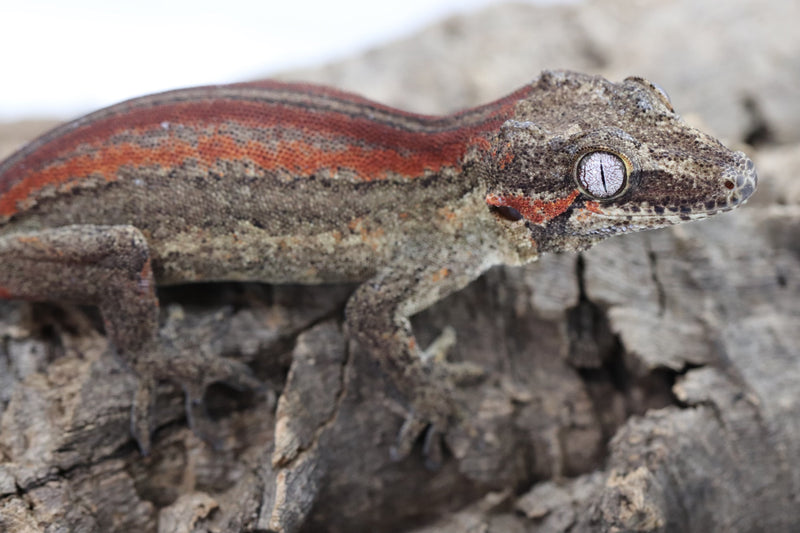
(109, 267)
(378, 315)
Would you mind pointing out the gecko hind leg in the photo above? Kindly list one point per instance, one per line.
(187, 352)
(109, 267)
(224, 370)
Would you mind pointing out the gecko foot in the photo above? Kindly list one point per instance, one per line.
(221, 370)
(188, 355)
(432, 431)
(433, 409)
(432, 446)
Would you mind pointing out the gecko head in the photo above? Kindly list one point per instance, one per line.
(583, 159)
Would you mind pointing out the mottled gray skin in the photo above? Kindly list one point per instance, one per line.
(411, 241)
(679, 173)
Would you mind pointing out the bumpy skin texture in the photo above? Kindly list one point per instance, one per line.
(294, 183)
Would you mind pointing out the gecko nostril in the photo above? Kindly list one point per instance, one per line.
(729, 184)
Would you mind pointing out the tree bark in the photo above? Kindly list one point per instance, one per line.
(649, 384)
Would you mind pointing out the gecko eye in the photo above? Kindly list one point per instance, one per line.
(601, 174)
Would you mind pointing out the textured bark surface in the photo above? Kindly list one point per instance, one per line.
(649, 384)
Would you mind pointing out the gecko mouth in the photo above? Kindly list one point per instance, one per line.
(615, 230)
(653, 221)
(648, 222)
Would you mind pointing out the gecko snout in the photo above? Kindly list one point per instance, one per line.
(740, 179)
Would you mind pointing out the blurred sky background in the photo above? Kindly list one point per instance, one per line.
(61, 58)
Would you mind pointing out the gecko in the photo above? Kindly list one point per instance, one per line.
(295, 183)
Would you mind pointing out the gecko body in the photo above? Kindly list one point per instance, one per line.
(282, 183)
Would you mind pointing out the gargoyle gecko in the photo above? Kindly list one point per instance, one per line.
(278, 182)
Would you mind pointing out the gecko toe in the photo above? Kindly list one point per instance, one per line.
(200, 422)
(432, 442)
(235, 374)
(406, 437)
(433, 448)
(142, 414)
(428, 418)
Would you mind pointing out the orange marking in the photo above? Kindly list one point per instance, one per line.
(594, 207)
(355, 223)
(440, 275)
(447, 213)
(508, 158)
(535, 211)
(34, 242)
(482, 143)
(5, 294)
(147, 272)
(370, 163)
(590, 208)
(583, 215)
(373, 237)
(296, 157)
(328, 140)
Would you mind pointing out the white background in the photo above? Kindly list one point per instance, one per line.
(63, 58)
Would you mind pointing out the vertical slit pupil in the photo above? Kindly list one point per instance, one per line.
(592, 175)
(603, 177)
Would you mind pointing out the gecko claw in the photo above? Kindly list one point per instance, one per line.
(432, 404)
(433, 448)
(188, 360)
(429, 418)
(410, 431)
(406, 437)
(228, 371)
(199, 421)
(142, 414)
